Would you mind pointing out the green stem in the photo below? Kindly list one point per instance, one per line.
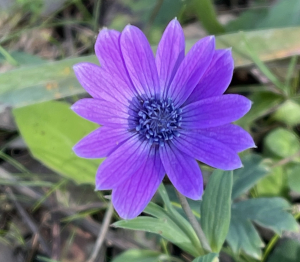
(273, 241)
(153, 15)
(8, 57)
(194, 223)
(270, 246)
(97, 14)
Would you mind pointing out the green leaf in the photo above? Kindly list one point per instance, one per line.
(39, 83)
(24, 58)
(282, 143)
(267, 212)
(137, 255)
(178, 219)
(245, 178)
(261, 65)
(294, 178)
(282, 14)
(208, 17)
(164, 224)
(50, 130)
(274, 184)
(212, 257)
(164, 195)
(194, 204)
(288, 113)
(287, 251)
(216, 208)
(53, 80)
(242, 22)
(263, 104)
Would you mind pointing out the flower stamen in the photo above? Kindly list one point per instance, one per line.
(158, 120)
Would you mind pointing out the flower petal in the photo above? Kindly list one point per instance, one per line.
(208, 150)
(108, 51)
(139, 61)
(101, 142)
(191, 70)
(183, 171)
(101, 112)
(214, 111)
(132, 196)
(100, 84)
(234, 137)
(216, 78)
(122, 163)
(170, 53)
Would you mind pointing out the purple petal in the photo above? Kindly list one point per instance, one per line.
(170, 53)
(191, 70)
(100, 84)
(122, 163)
(101, 142)
(208, 150)
(108, 51)
(183, 171)
(234, 137)
(132, 196)
(101, 112)
(215, 111)
(139, 61)
(216, 78)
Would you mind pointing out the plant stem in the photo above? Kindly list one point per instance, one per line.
(273, 242)
(97, 15)
(102, 233)
(194, 223)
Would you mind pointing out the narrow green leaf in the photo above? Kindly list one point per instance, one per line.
(7, 56)
(289, 76)
(164, 227)
(137, 255)
(25, 59)
(208, 17)
(245, 178)
(260, 64)
(178, 218)
(212, 257)
(50, 130)
(170, 225)
(38, 83)
(216, 208)
(53, 80)
(164, 195)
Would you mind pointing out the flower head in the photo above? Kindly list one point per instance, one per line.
(158, 114)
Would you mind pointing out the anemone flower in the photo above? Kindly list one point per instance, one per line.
(158, 115)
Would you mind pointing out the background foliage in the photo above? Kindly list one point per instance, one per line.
(49, 210)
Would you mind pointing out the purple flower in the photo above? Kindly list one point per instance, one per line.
(158, 114)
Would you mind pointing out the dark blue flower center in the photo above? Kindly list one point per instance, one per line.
(158, 120)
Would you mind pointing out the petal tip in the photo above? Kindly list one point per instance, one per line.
(73, 107)
(77, 67)
(196, 196)
(212, 38)
(75, 149)
(175, 21)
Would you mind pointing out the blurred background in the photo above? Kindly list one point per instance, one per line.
(49, 210)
